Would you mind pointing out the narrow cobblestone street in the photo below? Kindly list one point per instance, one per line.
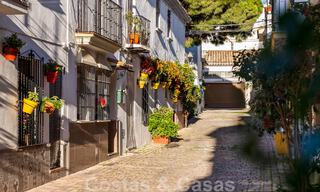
(208, 158)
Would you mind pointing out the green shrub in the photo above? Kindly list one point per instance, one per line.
(13, 41)
(161, 123)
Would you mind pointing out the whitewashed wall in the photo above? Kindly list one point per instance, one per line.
(161, 47)
(48, 29)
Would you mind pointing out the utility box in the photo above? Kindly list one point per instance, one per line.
(120, 96)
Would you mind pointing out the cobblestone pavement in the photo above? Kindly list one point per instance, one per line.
(209, 158)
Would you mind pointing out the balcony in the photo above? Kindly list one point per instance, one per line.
(14, 7)
(99, 25)
(138, 35)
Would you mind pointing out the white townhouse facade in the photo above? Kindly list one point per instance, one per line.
(165, 23)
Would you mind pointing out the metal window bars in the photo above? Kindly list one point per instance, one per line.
(102, 17)
(93, 85)
(142, 29)
(30, 78)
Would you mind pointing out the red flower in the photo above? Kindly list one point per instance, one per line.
(103, 102)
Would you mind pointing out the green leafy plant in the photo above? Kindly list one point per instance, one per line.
(33, 96)
(13, 42)
(50, 104)
(55, 100)
(134, 22)
(53, 66)
(161, 123)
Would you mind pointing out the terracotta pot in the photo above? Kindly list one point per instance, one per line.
(52, 77)
(48, 107)
(161, 140)
(134, 38)
(10, 53)
(268, 9)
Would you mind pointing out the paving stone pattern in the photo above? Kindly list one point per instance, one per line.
(208, 158)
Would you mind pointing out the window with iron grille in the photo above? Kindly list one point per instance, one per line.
(93, 93)
(145, 105)
(30, 78)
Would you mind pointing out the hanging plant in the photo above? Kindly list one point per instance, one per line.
(49, 105)
(52, 69)
(11, 47)
(30, 103)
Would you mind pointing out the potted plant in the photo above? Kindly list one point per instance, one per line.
(11, 47)
(49, 105)
(155, 85)
(31, 102)
(134, 24)
(52, 69)
(161, 125)
(142, 80)
(268, 9)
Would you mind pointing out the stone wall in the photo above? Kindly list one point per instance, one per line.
(26, 168)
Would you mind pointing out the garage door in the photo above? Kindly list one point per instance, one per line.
(224, 95)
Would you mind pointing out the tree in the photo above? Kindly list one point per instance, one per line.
(239, 15)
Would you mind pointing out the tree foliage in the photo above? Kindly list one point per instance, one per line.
(286, 81)
(206, 13)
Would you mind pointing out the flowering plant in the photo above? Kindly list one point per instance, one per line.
(102, 102)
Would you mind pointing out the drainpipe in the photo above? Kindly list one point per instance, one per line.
(66, 144)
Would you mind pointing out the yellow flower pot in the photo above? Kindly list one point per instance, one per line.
(155, 85)
(141, 83)
(29, 106)
(143, 76)
(281, 144)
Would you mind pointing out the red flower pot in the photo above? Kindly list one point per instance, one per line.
(52, 77)
(10, 53)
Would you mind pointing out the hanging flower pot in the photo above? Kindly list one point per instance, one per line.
(10, 53)
(52, 70)
(49, 105)
(30, 103)
(141, 83)
(52, 77)
(29, 106)
(156, 85)
(12, 46)
(144, 76)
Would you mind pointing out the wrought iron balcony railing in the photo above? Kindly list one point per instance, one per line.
(139, 31)
(102, 17)
(22, 2)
